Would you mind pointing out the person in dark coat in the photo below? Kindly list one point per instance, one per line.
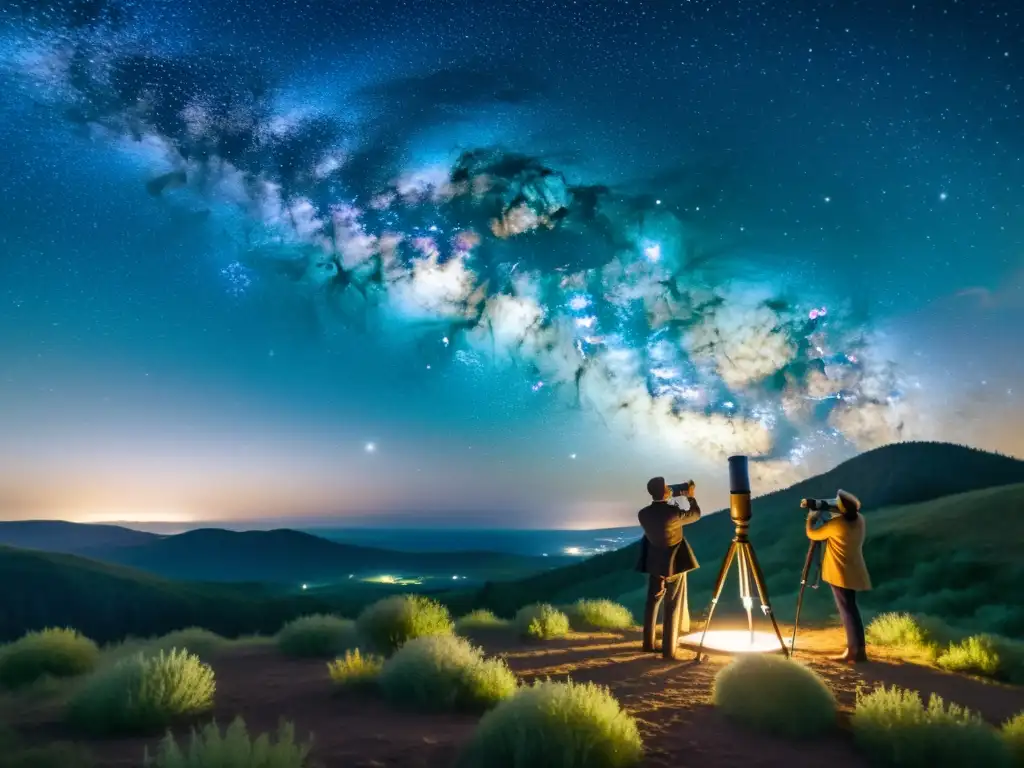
(666, 558)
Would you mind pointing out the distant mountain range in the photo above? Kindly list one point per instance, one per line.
(975, 539)
(280, 556)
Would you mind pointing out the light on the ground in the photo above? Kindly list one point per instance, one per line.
(574, 551)
(734, 641)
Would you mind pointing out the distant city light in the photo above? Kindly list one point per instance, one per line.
(572, 455)
(575, 551)
(305, 586)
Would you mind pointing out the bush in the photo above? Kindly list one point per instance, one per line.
(977, 655)
(141, 692)
(556, 725)
(774, 694)
(354, 670)
(901, 630)
(599, 614)
(479, 620)
(390, 623)
(1013, 737)
(53, 755)
(541, 621)
(894, 728)
(201, 642)
(233, 749)
(317, 636)
(51, 653)
(445, 672)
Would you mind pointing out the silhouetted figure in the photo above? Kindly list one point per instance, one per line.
(844, 569)
(666, 558)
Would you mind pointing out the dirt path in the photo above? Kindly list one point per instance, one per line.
(670, 699)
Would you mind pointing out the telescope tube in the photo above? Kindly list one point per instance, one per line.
(739, 490)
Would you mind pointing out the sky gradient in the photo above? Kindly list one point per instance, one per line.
(381, 263)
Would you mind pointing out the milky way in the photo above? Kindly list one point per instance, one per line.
(494, 258)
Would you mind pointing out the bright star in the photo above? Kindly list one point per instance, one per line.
(370, 447)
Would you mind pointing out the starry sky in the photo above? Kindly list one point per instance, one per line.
(474, 264)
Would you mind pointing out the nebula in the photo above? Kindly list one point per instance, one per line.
(601, 295)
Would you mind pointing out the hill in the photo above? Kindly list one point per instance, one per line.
(69, 538)
(279, 556)
(109, 602)
(954, 568)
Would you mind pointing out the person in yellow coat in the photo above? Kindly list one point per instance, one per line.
(842, 564)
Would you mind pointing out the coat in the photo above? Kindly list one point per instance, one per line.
(664, 551)
(842, 564)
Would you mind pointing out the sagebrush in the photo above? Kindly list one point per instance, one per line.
(445, 672)
(541, 621)
(317, 636)
(143, 692)
(479, 620)
(773, 694)
(893, 727)
(388, 624)
(355, 670)
(234, 748)
(599, 614)
(54, 652)
(556, 725)
(1013, 738)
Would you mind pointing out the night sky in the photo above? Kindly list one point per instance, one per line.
(497, 264)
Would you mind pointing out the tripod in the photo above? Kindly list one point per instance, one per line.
(749, 568)
(813, 551)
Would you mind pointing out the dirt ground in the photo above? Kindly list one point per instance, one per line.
(670, 700)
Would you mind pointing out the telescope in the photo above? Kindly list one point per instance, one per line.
(742, 551)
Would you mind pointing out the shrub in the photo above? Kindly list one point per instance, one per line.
(51, 653)
(894, 728)
(541, 621)
(901, 630)
(387, 624)
(556, 724)
(445, 672)
(599, 614)
(354, 670)
(1013, 736)
(53, 755)
(143, 692)
(234, 748)
(479, 620)
(201, 642)
(977, 655)
(774, 694)
(317, 636)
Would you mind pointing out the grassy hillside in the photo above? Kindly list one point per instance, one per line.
(109, 602)
(885, 479)
(279, 556)
(960, 558)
